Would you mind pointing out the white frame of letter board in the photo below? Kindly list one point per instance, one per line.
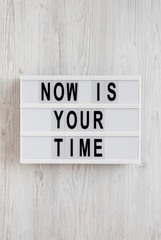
(76, 133)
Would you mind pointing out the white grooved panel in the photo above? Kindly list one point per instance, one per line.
(71, 118)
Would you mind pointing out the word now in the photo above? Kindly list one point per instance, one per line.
(59, 91)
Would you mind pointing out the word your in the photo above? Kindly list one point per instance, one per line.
(83, 118)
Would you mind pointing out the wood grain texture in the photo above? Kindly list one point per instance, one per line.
(85, 37)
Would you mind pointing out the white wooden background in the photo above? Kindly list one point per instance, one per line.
(80, 37)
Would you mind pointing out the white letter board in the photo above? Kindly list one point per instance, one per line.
(80, 119)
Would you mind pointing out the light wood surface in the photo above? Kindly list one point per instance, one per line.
(80, 202)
